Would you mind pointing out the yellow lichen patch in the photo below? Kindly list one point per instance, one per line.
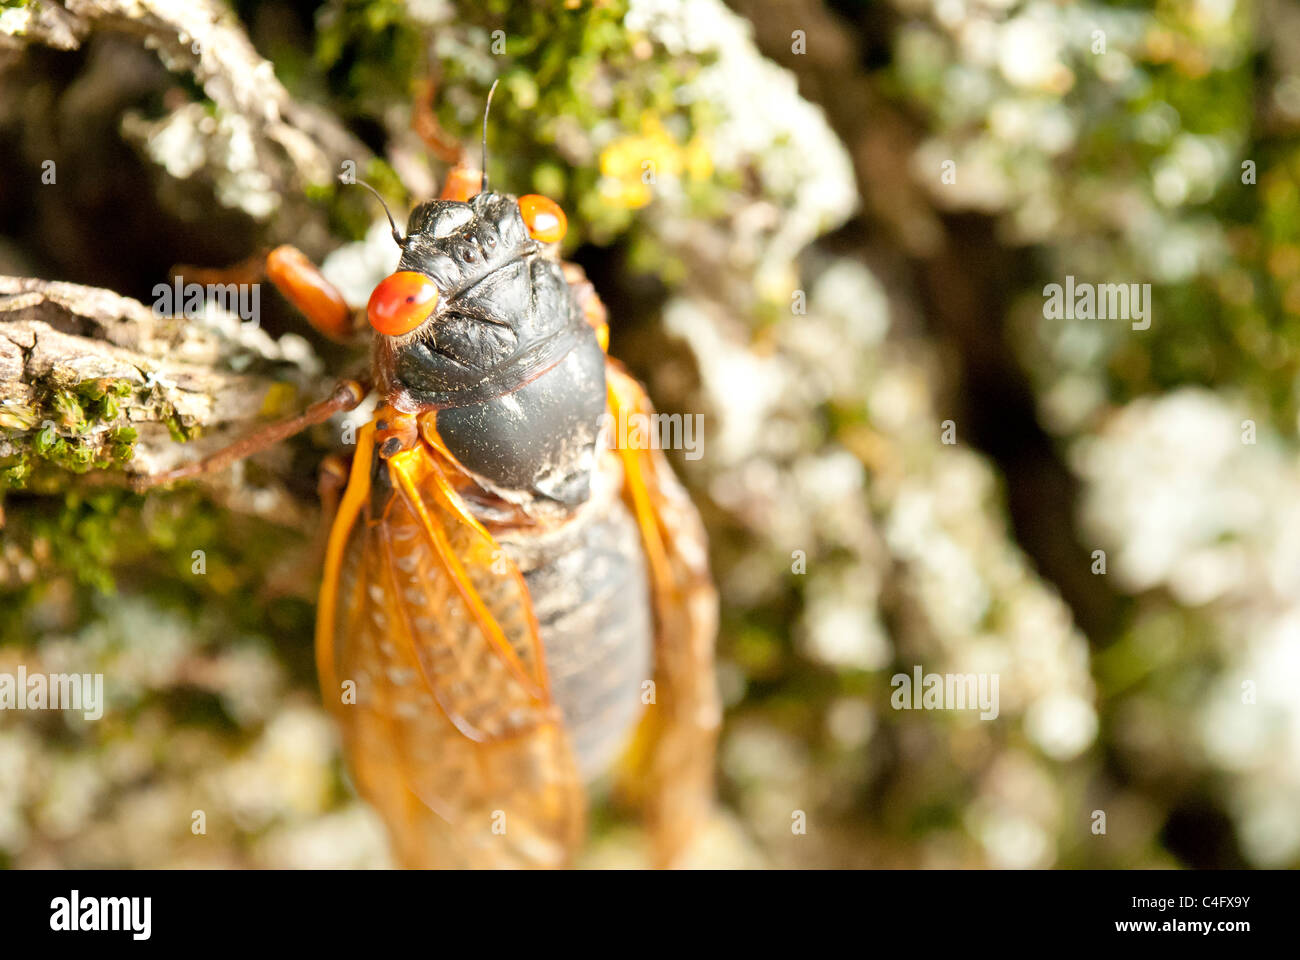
(280, 399)
(632, 165)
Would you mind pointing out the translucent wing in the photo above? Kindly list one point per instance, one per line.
(429, 655)
(669, 769)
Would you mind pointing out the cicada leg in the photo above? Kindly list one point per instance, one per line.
(331, 479)
(306, 288)
(464, 180)
(346, 396)
(249, 270)
(298, 279)
(303, 285)
(425, 123)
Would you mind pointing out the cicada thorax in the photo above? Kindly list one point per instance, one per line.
(539, 440)
(515, 372)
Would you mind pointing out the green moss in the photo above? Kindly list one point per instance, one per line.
(109, 535)
(14, 473)
(557, 69)
(82, 428)
(67, 411)
(84, 536)
(122, 443)
(99, 398)
(178, 430)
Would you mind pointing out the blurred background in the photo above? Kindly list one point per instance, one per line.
(838, 258)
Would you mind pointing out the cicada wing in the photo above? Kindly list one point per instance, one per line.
(670, 767)
(430, 656)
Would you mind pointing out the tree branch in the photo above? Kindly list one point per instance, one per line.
(92, 380)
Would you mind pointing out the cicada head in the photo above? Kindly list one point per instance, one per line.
(474, 309)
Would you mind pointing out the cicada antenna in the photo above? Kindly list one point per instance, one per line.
(486, 107)
(397, 236)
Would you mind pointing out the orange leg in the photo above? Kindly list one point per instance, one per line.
(463, 182)
(464, 179)
(425, 124)
(325, 309)
(250, 270)
(330, 481)
(306, 288)
(297, 278)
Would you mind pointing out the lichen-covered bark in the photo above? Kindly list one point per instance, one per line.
(92, 380)
(265, 148)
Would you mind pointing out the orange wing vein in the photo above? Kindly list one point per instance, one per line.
(669, 769)
(429, 654)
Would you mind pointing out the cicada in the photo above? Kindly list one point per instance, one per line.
(512, 607)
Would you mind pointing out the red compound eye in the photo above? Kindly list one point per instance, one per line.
(543, 217)
(402, 302)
